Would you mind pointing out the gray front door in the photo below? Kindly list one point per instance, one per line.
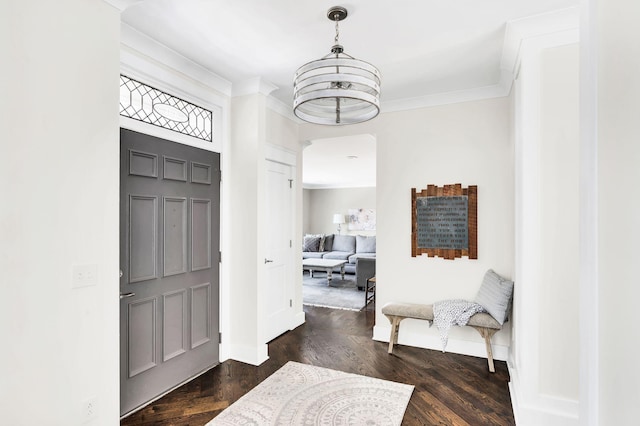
(169, 256)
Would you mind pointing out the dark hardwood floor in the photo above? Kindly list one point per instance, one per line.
(449, 389)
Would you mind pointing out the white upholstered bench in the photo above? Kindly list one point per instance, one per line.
(494, 296)
(486, 325)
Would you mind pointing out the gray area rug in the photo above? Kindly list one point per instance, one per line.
(300, 394)
(340, 294)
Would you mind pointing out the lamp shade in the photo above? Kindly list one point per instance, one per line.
(337, 88)
(338, 218)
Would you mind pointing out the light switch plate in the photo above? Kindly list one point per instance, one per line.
(84, 275)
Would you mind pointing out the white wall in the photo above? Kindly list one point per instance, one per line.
(559, 210)
(253, 126)
(322, 204)
(465, 143)
(59, 124)
(283, 132)
(545, 350)
(246, 155)
(306, 211)
(618, 134)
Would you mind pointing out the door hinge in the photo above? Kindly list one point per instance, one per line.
(220, 337)
(290, 243)
(290, 183)
(219, 257)
(291, 303)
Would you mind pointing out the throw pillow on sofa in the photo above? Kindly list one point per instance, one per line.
(322, 240)
(311, 243)
(328, 242)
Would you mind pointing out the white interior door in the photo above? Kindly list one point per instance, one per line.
(278, 294)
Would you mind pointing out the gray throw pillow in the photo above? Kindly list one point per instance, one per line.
(311, 244)
(328, 242)
(495, 295)
(365, 244)
(321, 236)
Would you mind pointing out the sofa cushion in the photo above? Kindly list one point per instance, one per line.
(328, 242)
(311, 243)
(365, 244)
(494, 295)
(313, 254)
(354, 257)
(346, 243)
(338, 255)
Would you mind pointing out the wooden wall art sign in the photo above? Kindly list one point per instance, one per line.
(444, 221)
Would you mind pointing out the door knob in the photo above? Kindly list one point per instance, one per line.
(268, 260)
(125, 295)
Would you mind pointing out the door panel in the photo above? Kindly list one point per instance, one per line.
(174, 327)
(200, 234)
(169, 245)
(174, 169)
(143, 237)
(142, 336)
(143, 164)
(200, 311)
(175, 235)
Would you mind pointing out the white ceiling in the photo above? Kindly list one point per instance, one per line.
(423, 48)
(344, 162)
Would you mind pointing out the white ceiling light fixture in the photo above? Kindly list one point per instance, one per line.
(336, 89)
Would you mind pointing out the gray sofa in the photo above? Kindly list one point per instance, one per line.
(365, 269)
(340, 247)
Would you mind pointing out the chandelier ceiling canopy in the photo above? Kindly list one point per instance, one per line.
(338, 88)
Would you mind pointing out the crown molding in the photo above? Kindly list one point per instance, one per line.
(252, 86)
(495, 91)
(338, 185)
(121, 5)
(146, 46)
(564, 23)
(488, 92)
(559, 22)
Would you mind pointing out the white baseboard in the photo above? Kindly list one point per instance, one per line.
(540, 409)
(254, 355)
(463, 347)
(298, 320)
(257, 355)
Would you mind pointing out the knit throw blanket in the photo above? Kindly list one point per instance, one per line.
(447, 313)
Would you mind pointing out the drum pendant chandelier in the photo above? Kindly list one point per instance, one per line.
(336, 89)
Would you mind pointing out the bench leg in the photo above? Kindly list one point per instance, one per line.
(487, 333)
(395, 328)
